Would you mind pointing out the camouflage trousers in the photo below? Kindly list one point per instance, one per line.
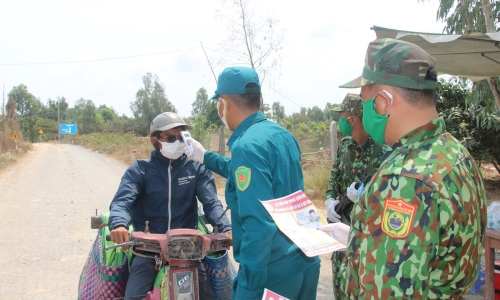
(339, 267)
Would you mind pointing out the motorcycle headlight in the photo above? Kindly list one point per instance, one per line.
(185, 247)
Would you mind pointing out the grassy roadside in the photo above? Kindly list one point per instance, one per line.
(316, 166)
(9, 156)
(121, 146)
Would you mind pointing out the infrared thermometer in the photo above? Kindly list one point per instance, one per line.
(185, 135)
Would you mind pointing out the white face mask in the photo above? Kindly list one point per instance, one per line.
(172, 150)
(223, 118)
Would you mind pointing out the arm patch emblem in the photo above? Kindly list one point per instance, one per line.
(243, 176)
(397, 219)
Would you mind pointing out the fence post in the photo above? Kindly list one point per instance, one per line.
(222, 141)
(334, 143)
(134, 155)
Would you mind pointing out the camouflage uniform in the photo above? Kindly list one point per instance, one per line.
(418, 227)
(359, 158)
(353, 163)
(350, 157)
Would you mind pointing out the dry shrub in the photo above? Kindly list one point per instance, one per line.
(8, 145)
(316, 177)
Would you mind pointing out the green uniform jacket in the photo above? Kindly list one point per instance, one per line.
(351, 158)
(265, 165)
(418, 227)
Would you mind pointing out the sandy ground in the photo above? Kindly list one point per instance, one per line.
(46, 201)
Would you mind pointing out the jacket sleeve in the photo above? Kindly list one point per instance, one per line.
(258, 228)
(217, 163)
(207, 195)
(334, 183)
(334, 179)
(121, 206)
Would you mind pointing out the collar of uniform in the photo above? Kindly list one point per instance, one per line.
(367, 144)
(240, 130)
(433, 128)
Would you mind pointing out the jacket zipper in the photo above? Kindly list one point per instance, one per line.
(169, 194)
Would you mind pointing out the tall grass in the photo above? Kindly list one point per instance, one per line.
(8, 153)
(118, 146)
(316, 179)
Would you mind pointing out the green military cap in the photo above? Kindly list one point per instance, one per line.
(395, 63)
(353, 104)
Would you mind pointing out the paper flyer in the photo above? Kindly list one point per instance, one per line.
(298, 218)
(270, 295)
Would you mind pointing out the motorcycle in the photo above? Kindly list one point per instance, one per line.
(176, 254)
(181, 249)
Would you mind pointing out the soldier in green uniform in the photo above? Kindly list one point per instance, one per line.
(418, 227)
(264, 165)
(358, 156)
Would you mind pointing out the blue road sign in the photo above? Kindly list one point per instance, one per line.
(67, 129)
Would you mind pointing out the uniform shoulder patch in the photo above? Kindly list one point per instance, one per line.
(243, 177)
(397, 219)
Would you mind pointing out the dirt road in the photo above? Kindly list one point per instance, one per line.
(46, 201)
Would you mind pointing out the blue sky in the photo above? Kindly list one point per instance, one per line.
(326, 44)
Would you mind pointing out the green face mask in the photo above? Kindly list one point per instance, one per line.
(345, 127)
(374, 123)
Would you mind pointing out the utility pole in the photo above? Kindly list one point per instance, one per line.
(58, 123)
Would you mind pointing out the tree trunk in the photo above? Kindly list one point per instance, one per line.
(494, 89)
(488, 16)
(467, 18)
(490, 28)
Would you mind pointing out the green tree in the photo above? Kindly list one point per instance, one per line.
(466, 16)
(204, 115)
(476, 127)
(108, 113)
(315, 114)
(331, 111)
(49, 127)
(151, 101)
(200, 106)
(52, 106)
(24, 100)
(86, 116)
(27, 110)
(300, 117)
(278, 111)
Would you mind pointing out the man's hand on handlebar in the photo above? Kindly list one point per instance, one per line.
(120, 235)
(229, 234)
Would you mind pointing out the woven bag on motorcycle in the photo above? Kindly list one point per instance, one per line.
(105, 273)
(222, 272)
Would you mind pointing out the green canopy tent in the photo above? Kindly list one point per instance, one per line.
(475, 55)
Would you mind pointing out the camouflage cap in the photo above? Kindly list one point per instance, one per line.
(395, 63)
(353, 104)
